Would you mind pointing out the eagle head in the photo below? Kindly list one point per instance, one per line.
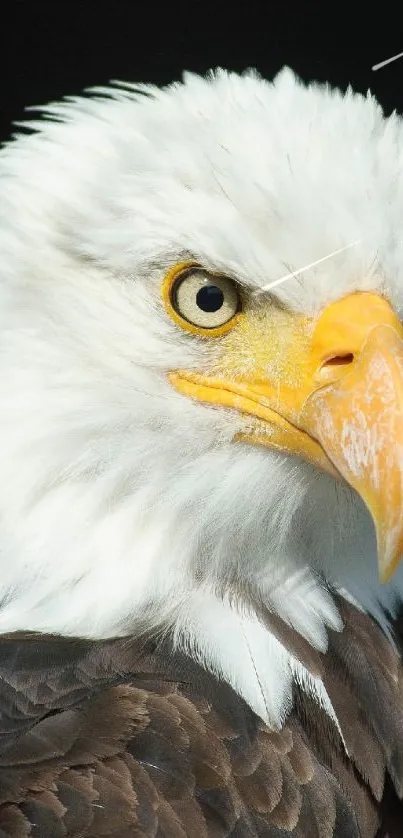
(201, 370)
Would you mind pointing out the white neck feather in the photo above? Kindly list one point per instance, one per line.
(234, 645)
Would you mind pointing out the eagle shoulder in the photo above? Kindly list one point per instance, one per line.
(119, 738)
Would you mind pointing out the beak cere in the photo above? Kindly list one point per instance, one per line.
(338, 403)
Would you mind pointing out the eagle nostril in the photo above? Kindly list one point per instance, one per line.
(339, 360)
(334, 367)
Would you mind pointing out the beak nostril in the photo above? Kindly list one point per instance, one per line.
(339, 360)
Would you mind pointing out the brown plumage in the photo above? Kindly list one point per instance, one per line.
(115, 739)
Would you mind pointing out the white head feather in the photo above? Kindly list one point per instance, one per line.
(122, 502)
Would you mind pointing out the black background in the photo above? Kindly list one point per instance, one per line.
(48, 50)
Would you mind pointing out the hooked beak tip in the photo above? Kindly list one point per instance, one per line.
(390, 551)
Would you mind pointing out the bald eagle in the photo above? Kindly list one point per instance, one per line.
(201, 464)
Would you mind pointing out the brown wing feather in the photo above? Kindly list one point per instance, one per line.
(114, 739)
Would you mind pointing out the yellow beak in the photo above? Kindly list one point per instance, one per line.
(338, 403)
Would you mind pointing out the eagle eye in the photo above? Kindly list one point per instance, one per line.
(202, 302)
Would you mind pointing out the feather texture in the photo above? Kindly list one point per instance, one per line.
(120, 738)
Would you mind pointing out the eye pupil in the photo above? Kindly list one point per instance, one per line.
(209, 298)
